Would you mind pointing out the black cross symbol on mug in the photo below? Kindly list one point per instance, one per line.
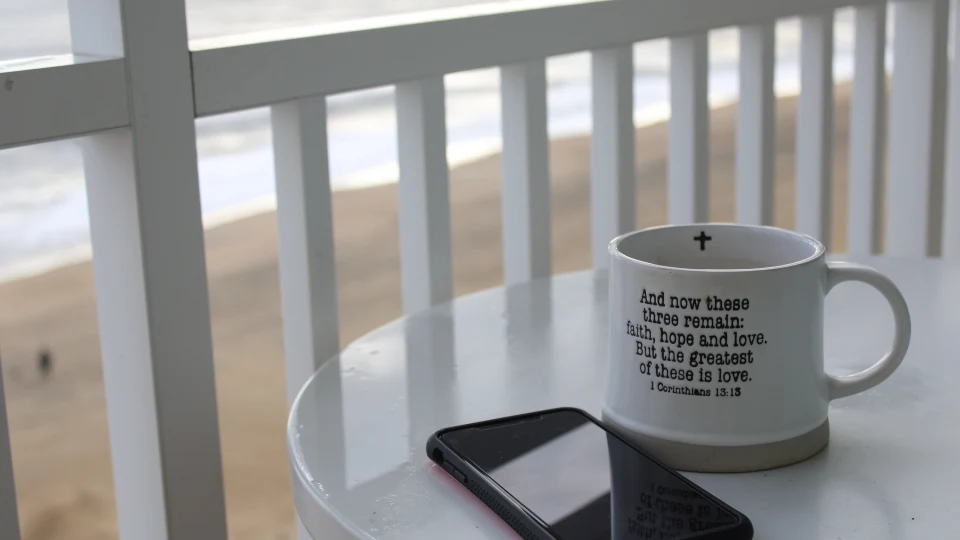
(703, 239)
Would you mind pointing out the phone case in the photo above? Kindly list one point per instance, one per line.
(525, 522)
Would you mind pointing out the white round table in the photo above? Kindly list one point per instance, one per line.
(358, 429)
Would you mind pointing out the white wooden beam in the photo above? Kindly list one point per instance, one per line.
(249, 71)
(815, 127)
(47, 100)
(151, 283)
(308, 270)
(526, 172)
(756, 130)
(612, 151)
(867, 131)
(9, 520)
(424, 195)
(915, 150)
(688, 196)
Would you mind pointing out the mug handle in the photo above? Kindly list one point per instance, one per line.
(847, 385)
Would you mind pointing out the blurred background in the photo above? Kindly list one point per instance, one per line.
(47, 302)
(42, 202)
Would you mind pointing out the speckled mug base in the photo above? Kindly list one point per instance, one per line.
(730, 459)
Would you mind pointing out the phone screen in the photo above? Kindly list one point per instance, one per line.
(584, 483)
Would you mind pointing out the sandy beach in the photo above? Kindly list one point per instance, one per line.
(58, 423)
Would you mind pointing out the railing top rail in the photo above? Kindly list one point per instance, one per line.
(60, 96)
(252, 72)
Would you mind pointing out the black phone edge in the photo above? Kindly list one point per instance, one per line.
(524, 521)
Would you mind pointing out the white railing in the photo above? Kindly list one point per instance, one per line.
(134, 90)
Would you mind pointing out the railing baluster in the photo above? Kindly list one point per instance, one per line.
(756, 125)
(814, 157)
(9, 520)
(688, 195)
(425, 256)
(951, 198)
(612, 150)
(526, 172)
(308, 271)
(915, 149)
(149, 269)
(866, 131)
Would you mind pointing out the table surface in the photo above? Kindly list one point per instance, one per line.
(358, 429)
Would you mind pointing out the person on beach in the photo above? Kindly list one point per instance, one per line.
(45, 362)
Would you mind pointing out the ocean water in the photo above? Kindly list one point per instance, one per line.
(43, 211)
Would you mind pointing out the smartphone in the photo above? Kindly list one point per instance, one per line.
(562, 475)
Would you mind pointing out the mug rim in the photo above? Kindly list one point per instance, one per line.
(819, 250)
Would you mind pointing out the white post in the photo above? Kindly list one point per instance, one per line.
(149, 269)
(688, 196)
(866, 131)
(756, 131)
(526, 172)
(9, 520)
(951, 198)
(612, 150)
(424, 193)
(815, 127)
(915, 136)
(308, 270)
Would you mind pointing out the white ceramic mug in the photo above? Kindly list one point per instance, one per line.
(716, 344)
